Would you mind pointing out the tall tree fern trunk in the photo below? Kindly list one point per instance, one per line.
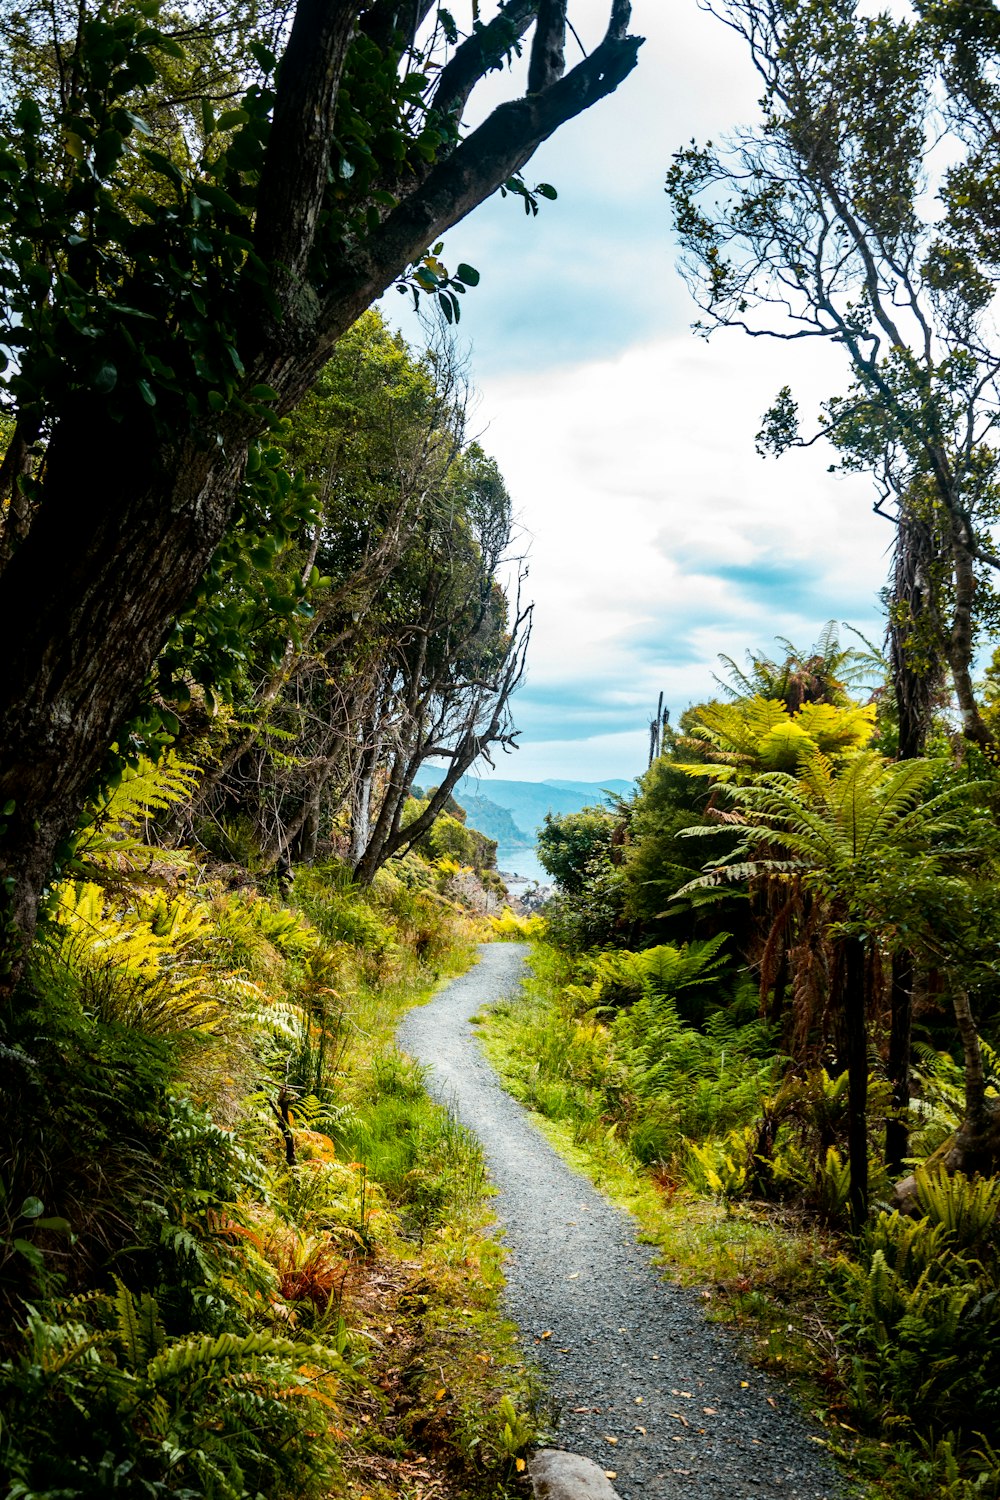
(856, 1038)
(897, 1133)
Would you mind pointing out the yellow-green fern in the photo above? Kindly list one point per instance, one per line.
(116, 834)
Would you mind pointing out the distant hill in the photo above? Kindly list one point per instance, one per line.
(488, 817)
(593, 789)
(525, 804)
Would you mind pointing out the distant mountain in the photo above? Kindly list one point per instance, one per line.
(594, 789)
(488, 817)
(526, 803)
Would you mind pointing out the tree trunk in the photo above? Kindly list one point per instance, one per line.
(86, 603)
(856, 1038)
(960, 643)
(910, 622)
(897, 1132)
(976, 1147)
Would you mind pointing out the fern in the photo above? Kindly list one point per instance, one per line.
(140, 1331)
(965, 1207)
(132, 964)
(115, 834)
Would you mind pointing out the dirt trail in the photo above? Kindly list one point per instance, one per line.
(641, 1383)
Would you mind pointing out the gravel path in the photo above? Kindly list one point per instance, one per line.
(641, 1383)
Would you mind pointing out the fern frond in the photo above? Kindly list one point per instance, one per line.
(115, 833)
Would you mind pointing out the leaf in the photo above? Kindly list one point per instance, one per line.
(546, 190)
(31, 1208)
(468, 274)
(263, 56)
(106, 377)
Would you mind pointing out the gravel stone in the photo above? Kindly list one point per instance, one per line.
(556, 1475)
(640, 1382)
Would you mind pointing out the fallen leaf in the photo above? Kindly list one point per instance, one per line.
(611, 1473)
(609, 1439)
(771, 1402)
(638, 1400)
(546, 1335)
(710, 1411)
(744, 1384)
(573, 1276)
(679, 1418)
(676, 1437)
(440, 1394)
(519, 1465)
(641, 1429)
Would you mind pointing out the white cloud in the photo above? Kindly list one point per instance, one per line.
(660, 538)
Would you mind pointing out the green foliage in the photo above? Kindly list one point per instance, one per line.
(513, 929)
(658, 861)
(448, 838)
(645, 1072)
(966, 1210)
(138, 964)
(923, 1326)
(569, 844)
(105, 1401)
(114, 831)
(756, 734)
(170, 1287)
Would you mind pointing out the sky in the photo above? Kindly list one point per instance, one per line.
(657, 538)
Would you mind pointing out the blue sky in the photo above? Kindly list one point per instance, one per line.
(658, 538)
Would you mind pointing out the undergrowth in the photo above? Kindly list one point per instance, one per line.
(241, 1252)
(659, 1080)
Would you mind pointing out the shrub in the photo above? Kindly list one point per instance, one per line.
(510, 928)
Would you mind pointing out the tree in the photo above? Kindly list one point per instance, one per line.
(869, 841)
(398, 560)
(822, 224)
(571, 844)
(161, 307)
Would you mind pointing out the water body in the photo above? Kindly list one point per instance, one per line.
(523, 863)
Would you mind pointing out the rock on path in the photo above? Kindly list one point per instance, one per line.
(641, 1383)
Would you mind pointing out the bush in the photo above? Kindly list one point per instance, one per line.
(922, 1323)
(510, 928)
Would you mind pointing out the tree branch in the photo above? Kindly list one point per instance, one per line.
(294, 178)
(474, 170)
(479, 53)
(548, 48)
